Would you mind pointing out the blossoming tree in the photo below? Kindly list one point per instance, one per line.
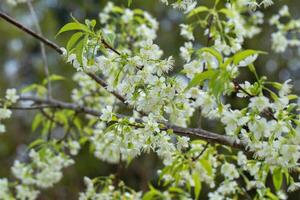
(118, 64)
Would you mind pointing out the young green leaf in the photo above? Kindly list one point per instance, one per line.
(242, 55)
(197, 186)
(72, 26)
(277, 178)
(213, 52)
(198, 10)
(73, 40)
(199, 78)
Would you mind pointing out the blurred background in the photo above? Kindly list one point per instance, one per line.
(21, 65)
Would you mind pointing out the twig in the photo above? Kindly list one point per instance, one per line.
(104, 85)
(42, 46)
(106, 45)
(202, 152)
(50, 126)
(45, 114)
(30, 32)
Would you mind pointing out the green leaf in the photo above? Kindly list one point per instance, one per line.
(29, 88)
(152, 193)
(36, 121)
(72, 26)
(53, 77)
(80, 49)
(207, 166)
(199, 78)
(77, 124)
(242, 55)
(198, 185)
(226, 12)
(271, 195)
(110, 38)
(292, 97)
(129, 2)
(275, 85)
(277, 178)
(73, 40)
(36, 143)
(213, 52)
(198, 10)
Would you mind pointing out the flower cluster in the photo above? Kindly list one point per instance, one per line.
(186, 5)
(11, 97)
(44, 170)
(102, 188)
(138, 72)
(123, 52)
(123, 141)
(287, 31)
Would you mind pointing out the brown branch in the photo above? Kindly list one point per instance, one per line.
(106, 45)
(191, 132)
(101, 82)
(196, 132)
(30, 32)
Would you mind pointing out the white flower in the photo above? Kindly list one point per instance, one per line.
(242, 159)
(279, 42)
(260, 103)
(281, 195)
(165, 66)
(246, 86)
(64, 51)
(232, 120)
(294, 186)
(25, 192)
(186, 51)
(182, 142)
(4, 113)
(290, 154)
(11, 95)
(4, 189)
(74, 147)
(215, 196)
(186, 5)
(107, 113)
(150, 50)
(146, 32)
(192, 68)
(260, 128)
(267, 3)
(229, 171)
(186, 31)
(285, 88)
(127, 16)
(2, 128)
(284, 11)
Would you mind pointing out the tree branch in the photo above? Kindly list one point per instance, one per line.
(30, 32)
(191, 132)
(196, 132)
